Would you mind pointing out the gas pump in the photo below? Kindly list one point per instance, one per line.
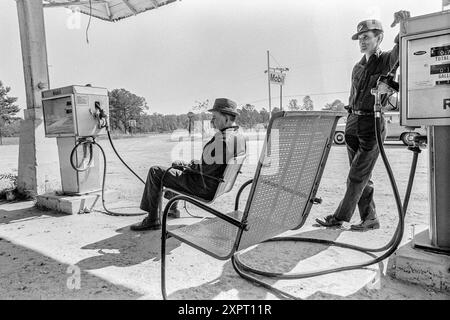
(75, 114)
(425, 100)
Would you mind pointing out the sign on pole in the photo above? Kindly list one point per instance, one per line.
(277, 77)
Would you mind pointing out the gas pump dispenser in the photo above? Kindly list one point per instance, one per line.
(425, 100)
(74, 115)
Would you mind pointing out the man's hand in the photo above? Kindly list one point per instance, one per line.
(400, 16)
(179, 164)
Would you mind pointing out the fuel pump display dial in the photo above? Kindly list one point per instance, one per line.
(440, 51)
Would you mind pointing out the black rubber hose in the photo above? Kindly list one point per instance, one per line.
(93, 142)
(391, 247)
(81, 143)
(107, 211)
(412, 173)
(120, 158)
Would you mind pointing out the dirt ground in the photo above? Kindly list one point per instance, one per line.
(43, 254)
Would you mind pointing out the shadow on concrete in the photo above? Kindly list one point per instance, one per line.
(129, 248)
(28, 212)
(27, 274)
(281, 257)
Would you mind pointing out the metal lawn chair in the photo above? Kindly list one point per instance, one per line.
(282, 191)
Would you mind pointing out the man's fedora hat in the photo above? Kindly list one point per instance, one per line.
(225, 105)
(367, 25)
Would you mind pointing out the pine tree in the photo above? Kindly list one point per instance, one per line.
(8, 109)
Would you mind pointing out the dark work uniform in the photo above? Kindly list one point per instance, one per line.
(216, 153)
(360, 136)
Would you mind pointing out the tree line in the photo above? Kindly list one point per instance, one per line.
(129, 114)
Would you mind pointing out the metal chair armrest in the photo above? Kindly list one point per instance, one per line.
(204, 175)
(236, 203)
(218, 214)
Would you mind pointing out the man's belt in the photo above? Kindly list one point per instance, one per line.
(361, 113)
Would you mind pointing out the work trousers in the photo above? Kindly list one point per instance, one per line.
(175, 179)
(363, 153)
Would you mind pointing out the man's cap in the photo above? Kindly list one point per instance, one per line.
(367, 25)
(225, 105)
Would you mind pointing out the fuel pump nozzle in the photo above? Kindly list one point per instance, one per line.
(100, 115)
(385, 85)
(381, 89)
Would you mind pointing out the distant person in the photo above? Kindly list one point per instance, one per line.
(360, 136)
(197, 177)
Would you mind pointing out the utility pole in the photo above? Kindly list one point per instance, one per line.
(268, 81)
(36, 152)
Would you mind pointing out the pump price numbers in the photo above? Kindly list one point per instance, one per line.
(440, 68)
(441, 53)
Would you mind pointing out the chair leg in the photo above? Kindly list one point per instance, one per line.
(163, 255)
(160, 202)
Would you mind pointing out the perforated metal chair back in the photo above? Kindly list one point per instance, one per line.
(288, 174)
(286, 180)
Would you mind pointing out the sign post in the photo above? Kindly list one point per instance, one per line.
(278, 76)
(268, 81)
(131, 125)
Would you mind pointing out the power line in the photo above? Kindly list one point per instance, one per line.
(279, 64)
(301, 95)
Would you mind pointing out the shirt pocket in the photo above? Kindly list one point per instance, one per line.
(373, 81)
(357, 75)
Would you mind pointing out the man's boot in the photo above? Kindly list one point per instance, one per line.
(146, 224)
(330, 221)
(369, 224)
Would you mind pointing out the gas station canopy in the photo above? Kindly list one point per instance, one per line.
(109, 10)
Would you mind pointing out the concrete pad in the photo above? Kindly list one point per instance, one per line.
(94, 256)
(421, 267)
(73, 204)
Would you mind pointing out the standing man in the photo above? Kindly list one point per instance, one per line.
(199, 178)
(360, 136)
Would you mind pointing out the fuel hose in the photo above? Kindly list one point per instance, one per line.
(90, 143)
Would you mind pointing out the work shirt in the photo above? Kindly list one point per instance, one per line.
(226, 144)
(365, 75)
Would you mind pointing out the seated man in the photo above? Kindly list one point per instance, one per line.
(199, 178)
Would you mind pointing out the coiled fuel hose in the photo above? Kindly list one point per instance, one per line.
(249, 273)
(90, 143)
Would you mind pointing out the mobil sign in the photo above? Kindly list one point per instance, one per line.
(277, 77)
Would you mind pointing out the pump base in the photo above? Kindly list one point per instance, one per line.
(74, 204)
(420, 267)
(422, 242)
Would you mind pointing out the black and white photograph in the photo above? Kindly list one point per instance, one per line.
(220, 157)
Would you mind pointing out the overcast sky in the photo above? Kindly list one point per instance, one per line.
(202, 49)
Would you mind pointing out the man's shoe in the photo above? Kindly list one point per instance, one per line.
(330, 221)
(174, 213)
(366, 225)
(146, 224)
